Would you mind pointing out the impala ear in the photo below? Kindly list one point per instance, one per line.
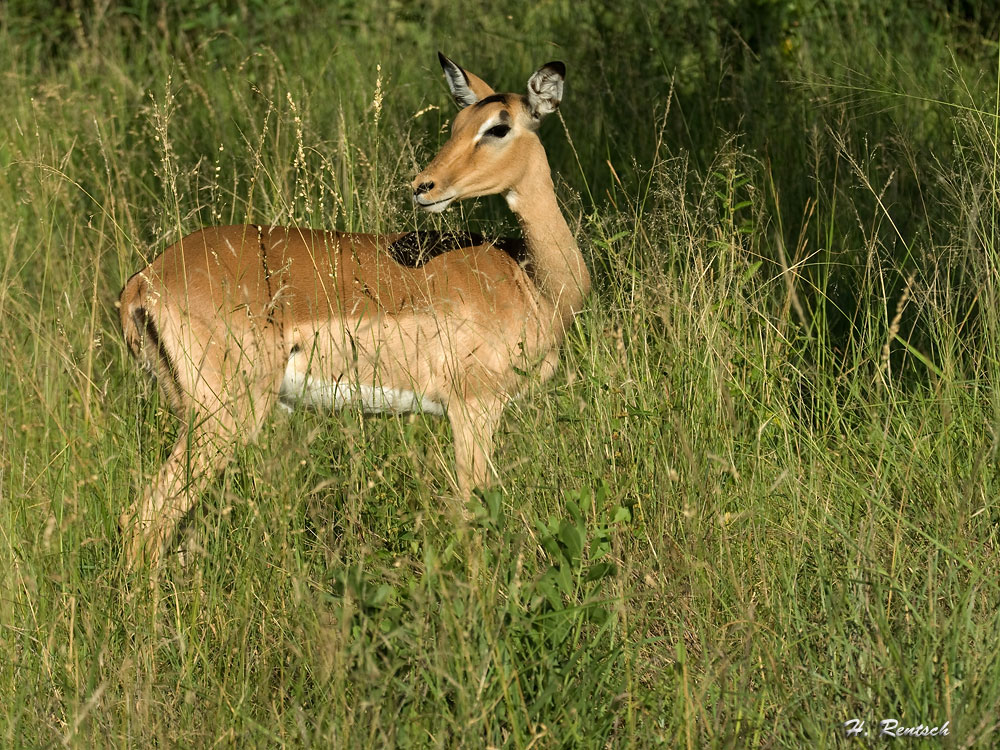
(465, 87)
(545, 89)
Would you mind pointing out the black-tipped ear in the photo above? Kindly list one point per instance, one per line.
(545, 89)
(458, 82)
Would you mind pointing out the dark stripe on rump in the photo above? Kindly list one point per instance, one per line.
(146, 326)
(267, 272)
(275, 317)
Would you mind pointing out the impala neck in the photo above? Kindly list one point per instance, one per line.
(557, 264)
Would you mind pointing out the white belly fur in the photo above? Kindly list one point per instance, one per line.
(298, 388)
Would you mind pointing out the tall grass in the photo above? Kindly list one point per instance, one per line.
(757, 501)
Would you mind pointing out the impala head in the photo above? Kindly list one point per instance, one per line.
(494, 140)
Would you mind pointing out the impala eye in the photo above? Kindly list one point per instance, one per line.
(498, 131)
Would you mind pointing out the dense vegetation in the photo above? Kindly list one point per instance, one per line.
(758, 500)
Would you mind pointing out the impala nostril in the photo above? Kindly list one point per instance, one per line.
(423, 187)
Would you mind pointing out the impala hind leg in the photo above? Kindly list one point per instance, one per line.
(203, 448)
(150, 522)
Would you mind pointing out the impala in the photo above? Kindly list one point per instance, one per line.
(233, 319)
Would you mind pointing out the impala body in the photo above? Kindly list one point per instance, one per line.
(233, 319)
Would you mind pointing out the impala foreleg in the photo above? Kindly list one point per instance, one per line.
(473, 425)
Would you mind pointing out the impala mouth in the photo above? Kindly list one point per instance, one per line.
(435, 207)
